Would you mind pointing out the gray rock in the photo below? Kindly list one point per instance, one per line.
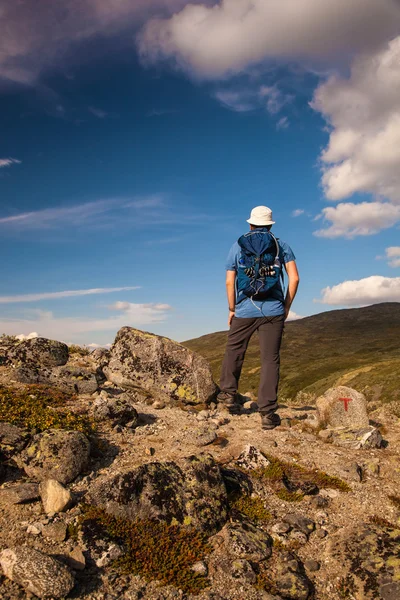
(242, 569)
(190, 491)
(55, 498)
(300, 523)
(200, 567)
(246, 541)
(55, 454)
(160, 366)
(55, 531)
(12, 439)
(281, 527)
(312, 565)
(342, 407)
(19, 494)
(251, 458)
(366, 437)
(37, 351)
(250, 405)
(204, 436)
(36, 572)
(109, 555)
(290, 581)
(72, 380)
(76, 559)
(115, 410)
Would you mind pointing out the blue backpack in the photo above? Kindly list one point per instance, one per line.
(259, 268)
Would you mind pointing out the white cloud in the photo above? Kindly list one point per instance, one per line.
(236, 100)
(30, 336)
(350, 220)
(35, 38)
(7, 162)
(98, 112)
(294, 316)
(274, 98)
(229, 36)
(250, 97)
(73, 328)
(298, 212)
(363, 110)
(393, 256)
(371, 290)
(64, 294)
(283, 123)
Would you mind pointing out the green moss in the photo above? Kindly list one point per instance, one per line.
(287, 496)
(253, 508)
(154, 550)
(73, 531)
(278, 470)
(39, 407)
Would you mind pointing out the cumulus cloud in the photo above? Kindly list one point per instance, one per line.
(229, 36)
(7, 162)
(36, 36)
(363, 110)
(370, 290)
(294, 316)
(350, 220)
(64, 294)
(73, 328)
(393, 256)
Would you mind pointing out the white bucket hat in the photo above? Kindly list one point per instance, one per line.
(261, 215)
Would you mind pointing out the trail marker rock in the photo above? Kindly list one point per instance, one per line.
(342, 407)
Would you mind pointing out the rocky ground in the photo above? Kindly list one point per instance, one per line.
(268, 528)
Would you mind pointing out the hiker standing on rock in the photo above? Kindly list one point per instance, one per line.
(256, 300)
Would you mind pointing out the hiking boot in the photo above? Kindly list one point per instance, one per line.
(270, 420)
(230, 402)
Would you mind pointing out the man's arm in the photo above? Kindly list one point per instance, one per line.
(231, 294)
(294, 279)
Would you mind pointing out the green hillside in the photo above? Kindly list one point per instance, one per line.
(359, 347)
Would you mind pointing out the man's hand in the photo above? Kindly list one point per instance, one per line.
(231, 315)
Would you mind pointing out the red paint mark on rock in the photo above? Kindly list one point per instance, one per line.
(345, 402)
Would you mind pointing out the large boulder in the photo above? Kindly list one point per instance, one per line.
(117, 411)
(37, 351)
(55, 454)
(342, 407)
(160, 366)
(365, 559)
(36, 572)
(71, 380)
(190, 491)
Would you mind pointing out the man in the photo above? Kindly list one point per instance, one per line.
(256, 302)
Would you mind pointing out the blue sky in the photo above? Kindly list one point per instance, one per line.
(132, 151)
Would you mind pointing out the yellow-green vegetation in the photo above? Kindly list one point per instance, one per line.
(40, 408)
(253, 508)
(279, 472)
(78, 350)
(395, 500)
(287, 496)
(359, 344)
(154, 550)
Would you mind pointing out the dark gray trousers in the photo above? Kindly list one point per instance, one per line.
(270, 330)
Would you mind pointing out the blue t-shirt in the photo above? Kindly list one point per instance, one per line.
(249, 308)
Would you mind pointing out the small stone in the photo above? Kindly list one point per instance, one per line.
(286, 422)
(325, 434)
(19, 494)
(204, 436)
(300, 523)
(150, 451)
(252, 458)
(355, 472)
(356, 439)
(342, 407)
(55, 531)
(203, 415)
(298, 536)
(112, 553)
(312, 565)
(372, 467)
(55, 498)
(76, 559)
(36, 572)
(250, 405)
(34, 529)
(281, 527)
(242, 569)
(158, 405)
(321, 533)
(329, 493)
(320, 501)
(200, 567)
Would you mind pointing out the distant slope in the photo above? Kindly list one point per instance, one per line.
(359, 347)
